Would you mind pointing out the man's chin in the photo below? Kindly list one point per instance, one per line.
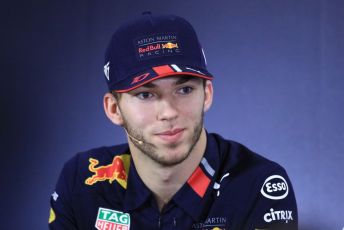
(171, 158)
(171, 162)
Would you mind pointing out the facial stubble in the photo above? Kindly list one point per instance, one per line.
(150, 150)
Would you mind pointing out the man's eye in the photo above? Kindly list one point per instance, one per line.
(185, 90)
(144, 95)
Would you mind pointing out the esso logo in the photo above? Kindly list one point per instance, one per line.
(275, 187)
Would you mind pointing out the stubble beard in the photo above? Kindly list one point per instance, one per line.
(150, 150)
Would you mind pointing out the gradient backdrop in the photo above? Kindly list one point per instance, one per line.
(279, 90)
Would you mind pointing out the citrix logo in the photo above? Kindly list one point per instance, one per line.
(278, 215)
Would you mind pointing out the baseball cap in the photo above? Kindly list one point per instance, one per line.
(152, 47)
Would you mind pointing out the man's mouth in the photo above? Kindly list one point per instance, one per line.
(171, 135)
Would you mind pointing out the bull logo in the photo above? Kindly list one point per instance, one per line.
(117, 170)
(170, 45)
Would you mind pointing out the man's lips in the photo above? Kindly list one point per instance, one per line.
(170, 132)
(171, 135)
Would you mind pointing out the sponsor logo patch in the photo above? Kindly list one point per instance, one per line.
(107, 70)
(157, 45)
(211, 223)
(140, 78)
(218, 185)
(55, 196)
(108, 219)
(275, 187)
(273, 215)
(116, 171)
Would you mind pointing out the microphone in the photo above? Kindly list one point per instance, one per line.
(133, 138)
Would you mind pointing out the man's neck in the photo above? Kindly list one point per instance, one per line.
(165, 181)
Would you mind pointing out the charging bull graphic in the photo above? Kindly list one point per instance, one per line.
(117, 170)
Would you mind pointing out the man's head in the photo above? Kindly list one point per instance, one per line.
(159, 87)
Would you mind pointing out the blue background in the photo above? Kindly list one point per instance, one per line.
(279, 90)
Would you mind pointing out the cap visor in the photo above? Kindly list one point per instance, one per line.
(157, 72)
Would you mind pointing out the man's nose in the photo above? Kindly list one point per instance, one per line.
(167, 110)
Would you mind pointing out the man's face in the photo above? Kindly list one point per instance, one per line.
(166, 115)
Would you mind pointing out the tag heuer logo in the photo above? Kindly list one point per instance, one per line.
(108, 219)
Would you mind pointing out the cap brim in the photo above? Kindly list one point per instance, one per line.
(157, 72)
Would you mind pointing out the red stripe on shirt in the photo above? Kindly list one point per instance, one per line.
(199, 182)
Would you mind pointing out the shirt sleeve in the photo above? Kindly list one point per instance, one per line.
(275, 205)
(61, 211)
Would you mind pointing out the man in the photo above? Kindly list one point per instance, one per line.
(172, 174)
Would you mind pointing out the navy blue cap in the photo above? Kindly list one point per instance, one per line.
(152, 47)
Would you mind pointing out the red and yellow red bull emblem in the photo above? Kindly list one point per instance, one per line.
(117, 170)
(170, 45)
(157, 47)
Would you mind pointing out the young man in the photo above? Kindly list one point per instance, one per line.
(172, 174)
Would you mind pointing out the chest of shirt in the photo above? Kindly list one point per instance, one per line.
(98, 211)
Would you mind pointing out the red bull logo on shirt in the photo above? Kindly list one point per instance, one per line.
(117, 170)
(108, 219)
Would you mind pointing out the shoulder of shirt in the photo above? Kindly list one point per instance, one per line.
(238, 158)
(77, 169)
(103, 154)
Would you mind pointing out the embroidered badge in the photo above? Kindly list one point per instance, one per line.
(112, 219)
(55, 196)
(117, 170)
(211, 223)
(157, 45)
(275, 187)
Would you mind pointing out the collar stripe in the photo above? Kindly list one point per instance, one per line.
(199, 181)
(207, 167)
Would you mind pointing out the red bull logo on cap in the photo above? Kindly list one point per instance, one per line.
(170, 45)
(157, 45)
(117, 170)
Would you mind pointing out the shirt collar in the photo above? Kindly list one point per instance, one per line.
(195, 195)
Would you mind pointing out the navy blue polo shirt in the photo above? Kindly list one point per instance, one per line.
(232, 188)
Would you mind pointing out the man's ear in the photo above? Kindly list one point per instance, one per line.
(208, 95)
(112, 110)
